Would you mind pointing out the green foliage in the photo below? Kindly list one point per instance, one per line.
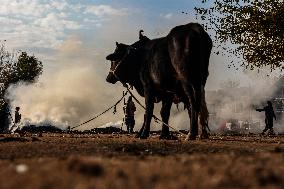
(17, 67)
(255, 27)
(28, 68)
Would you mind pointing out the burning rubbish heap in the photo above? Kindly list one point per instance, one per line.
(40, 129)
(233, 109)
(107, 130)
(53, 129)
(234, 126)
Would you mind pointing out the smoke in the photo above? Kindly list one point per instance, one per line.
(69, 93)
(73, 89)
(235, 101)
(233, 96)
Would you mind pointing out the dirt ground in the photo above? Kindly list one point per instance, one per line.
(122, 161)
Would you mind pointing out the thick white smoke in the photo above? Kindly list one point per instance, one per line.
(69, 93)
(73, 89)
(236, 101)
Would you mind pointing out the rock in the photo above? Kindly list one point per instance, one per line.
(22, 168)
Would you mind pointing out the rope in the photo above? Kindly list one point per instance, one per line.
(113, 106)
(128, 90)
(138, 102)
(154, 116)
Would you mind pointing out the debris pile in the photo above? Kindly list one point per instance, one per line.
(106, 130)
(40, 129)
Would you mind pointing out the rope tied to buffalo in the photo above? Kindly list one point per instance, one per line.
(114, 106)
(128, 90)
(102, 113)
(154, 116)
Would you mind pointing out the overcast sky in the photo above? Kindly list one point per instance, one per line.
(45, 24)
(42, 27)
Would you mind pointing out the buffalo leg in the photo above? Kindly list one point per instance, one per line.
(193, 131)
(165, 114)
(142, 128)
(203, 117)
(193, 112)
(149, 101)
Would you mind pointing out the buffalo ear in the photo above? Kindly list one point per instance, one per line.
(116, 43)
(130, 48)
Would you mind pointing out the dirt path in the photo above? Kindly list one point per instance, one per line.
(114, 161)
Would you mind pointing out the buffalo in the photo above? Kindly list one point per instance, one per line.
(168, 69)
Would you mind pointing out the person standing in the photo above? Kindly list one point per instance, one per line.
(269, 115)
(18, 116)
(129, 110)
(16, 124)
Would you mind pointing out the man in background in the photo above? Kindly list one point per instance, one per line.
(129, 110)
(18, 116)
(269, 115)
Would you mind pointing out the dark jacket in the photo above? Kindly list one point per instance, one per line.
(130, 108)
(18, 117)
(269, 112)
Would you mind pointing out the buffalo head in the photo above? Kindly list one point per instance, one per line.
(119, 60)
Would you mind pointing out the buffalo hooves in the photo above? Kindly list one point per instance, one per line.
(204, 135)
(168, 137)
(138, 135)
(144, 137)
(190, 137)
(145, 134)
(164, 137)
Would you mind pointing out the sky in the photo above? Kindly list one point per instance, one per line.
(72, 39)
(41, 27)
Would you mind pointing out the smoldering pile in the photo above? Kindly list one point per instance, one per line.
(33, 129)
(40, 129)
(233, 108)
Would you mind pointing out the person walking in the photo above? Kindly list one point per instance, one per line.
(269, 115)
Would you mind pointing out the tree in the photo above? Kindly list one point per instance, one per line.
(17, 67)
(27, 68)
(254, 28)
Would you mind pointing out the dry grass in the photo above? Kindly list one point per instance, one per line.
(113, 161)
